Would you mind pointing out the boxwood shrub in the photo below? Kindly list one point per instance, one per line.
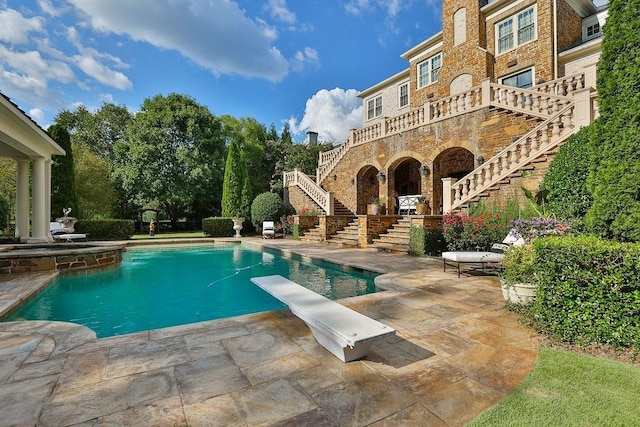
(218, 227)
(589, 291)
(106, 229)
(426, 243)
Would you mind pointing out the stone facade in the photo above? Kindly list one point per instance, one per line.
(410, 153)
(71, 259)
(448, 148)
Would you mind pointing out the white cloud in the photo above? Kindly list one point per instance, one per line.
(215, 34)
(34, 67)
(51, 10)
(36, 114)
(391, 7)
(307, 56)
(15, 28)
(331, 113)
(279, 11)
(103, 74)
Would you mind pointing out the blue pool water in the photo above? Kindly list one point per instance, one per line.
(155, 288)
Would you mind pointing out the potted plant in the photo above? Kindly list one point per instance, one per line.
(421, 205)
(374, 207)
(518, 279)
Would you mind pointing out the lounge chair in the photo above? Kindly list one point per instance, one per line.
(494, 256)
(61, 234)
(268, 230)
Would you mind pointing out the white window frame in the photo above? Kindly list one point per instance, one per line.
(514, 28)
(433, 66)
(533, 76)
(591, 23)
(374, 107)
(404, 97)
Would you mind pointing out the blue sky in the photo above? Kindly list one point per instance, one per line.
(296, 61)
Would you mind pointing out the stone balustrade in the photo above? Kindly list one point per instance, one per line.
(323, 198)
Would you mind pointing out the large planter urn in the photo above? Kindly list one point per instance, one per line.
(518, 293)
(373, 209)
(237, 225)
(421, 208)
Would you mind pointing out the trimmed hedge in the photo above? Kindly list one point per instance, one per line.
(266, 207)
(106, 229)
(218, 227)
(426, 243)
(589, 291)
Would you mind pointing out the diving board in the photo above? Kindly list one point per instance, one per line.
(347, 334)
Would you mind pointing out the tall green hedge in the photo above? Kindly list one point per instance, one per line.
(218, 227)
(615, 174)
(566, 180)
(588, 291)
(106, 229)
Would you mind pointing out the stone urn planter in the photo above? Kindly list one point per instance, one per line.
(237, 226)
(374, 208)
(422, 208)
(518, 293)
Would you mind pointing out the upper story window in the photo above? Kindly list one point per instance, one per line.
(516, 30)
(374, 107)
(429, 70)
(523, 79)
(590, 28)
(403, 95)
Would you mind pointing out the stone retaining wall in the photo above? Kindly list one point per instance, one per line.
(85, 258)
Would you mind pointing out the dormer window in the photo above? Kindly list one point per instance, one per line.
(591, 28)
(516, 30)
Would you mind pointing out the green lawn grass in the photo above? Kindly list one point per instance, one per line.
(568, 389)
(169, 235)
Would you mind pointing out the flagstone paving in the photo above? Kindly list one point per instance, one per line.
(457, 352)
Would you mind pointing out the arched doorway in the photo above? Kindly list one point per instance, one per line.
(451, 163)
(368, 188)
(406, 180)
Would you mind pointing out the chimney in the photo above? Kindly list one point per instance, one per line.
(312, 138)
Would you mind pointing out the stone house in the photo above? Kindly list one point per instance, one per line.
(479, 111)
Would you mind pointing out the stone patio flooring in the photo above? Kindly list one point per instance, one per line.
(457, 352)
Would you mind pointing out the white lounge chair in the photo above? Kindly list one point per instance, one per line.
(268, 230)
(494, 256)
(61, 234)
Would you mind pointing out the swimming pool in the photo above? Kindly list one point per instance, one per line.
(167, 286)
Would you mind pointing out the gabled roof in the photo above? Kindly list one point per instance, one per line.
(19, 133)
(385, 83)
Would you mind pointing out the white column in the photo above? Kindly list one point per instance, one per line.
(447, 194)
(22, 199)
(47, 195)
(39, 221)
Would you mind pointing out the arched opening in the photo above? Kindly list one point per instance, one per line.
(368, 188)
(406, 180)
(451, 163)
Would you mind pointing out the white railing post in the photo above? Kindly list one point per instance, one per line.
(447, 184)
(486, 92)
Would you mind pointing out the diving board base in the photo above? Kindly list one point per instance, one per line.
(345, 333)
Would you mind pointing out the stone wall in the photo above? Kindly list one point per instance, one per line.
(481, 133)
(64, 260)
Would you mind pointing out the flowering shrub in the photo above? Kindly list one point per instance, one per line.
(285, 225)
(306, 211)
(478, 232)
(529, 229)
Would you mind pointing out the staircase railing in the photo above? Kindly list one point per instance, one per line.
(541, 102)
(540, 140)
(323, 198)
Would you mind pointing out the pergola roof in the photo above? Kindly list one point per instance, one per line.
(21, 137)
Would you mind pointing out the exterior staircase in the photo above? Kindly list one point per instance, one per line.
(311, 235)
(396, 238)
(347, 237)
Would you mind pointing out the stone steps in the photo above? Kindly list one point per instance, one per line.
(396, 238)
(346, 237)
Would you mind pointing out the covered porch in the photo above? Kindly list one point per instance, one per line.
(24, 141)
